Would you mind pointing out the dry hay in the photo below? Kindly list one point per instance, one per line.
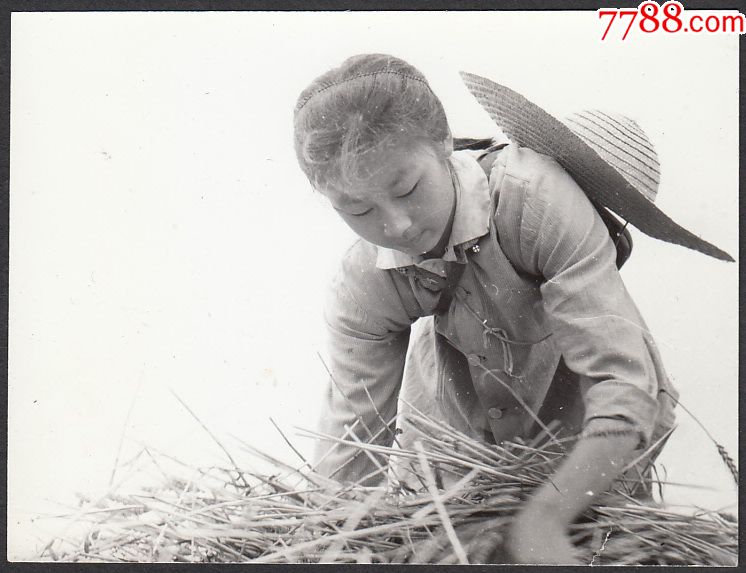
(230, 515)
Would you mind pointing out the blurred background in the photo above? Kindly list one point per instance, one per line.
(164, 243)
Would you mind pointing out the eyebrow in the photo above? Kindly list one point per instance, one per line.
(346, 201)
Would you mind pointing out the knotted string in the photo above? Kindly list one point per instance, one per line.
(500, 334)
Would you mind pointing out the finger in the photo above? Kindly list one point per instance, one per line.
(487, 548)
(426, 551)
(450, 558)
(399, 555)
(483, 548)
(467, 535)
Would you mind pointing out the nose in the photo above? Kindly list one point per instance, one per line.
(396, 225)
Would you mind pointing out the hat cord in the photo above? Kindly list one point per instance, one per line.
(619, 235)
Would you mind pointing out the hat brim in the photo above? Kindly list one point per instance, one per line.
(530, 126)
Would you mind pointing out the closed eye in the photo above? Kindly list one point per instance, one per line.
(361, 214)
(408, 193)
(354, 214)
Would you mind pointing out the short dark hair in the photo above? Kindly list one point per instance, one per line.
(350, 110)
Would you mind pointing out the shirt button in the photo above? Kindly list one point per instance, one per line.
(495, 413)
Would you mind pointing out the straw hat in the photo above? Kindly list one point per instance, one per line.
(608, 155)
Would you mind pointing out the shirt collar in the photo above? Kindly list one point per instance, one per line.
(470, 221)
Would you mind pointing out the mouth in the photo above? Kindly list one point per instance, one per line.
(410, 239)
(413, 243)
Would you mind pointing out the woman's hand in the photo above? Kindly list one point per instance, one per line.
(537, 537)
(539, 532)
(533, 538)
(482, 543)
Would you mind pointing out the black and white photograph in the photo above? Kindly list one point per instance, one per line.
(374, 287)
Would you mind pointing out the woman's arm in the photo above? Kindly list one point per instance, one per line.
(367, 337)
(603, 339)
(539, 533)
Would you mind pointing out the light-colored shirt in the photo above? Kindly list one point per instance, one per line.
(538, 284)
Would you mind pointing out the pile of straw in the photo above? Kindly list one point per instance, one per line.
(295, 515)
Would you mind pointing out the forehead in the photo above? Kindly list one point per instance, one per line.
(378, 171)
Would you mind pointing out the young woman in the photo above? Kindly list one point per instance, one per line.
(515, 269)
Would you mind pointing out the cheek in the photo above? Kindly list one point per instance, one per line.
(437, 206)
(441, 194)
(364, 227)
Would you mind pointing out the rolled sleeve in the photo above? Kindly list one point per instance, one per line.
(596, 325)
(368, 332)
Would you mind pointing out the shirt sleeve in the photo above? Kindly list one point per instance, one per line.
(368, 329)
(596, 325)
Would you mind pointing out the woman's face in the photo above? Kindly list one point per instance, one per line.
(405, 200)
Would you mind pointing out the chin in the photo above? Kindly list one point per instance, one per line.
(423, 252)
(414, 248)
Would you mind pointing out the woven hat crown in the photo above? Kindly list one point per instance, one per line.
(620, 142)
